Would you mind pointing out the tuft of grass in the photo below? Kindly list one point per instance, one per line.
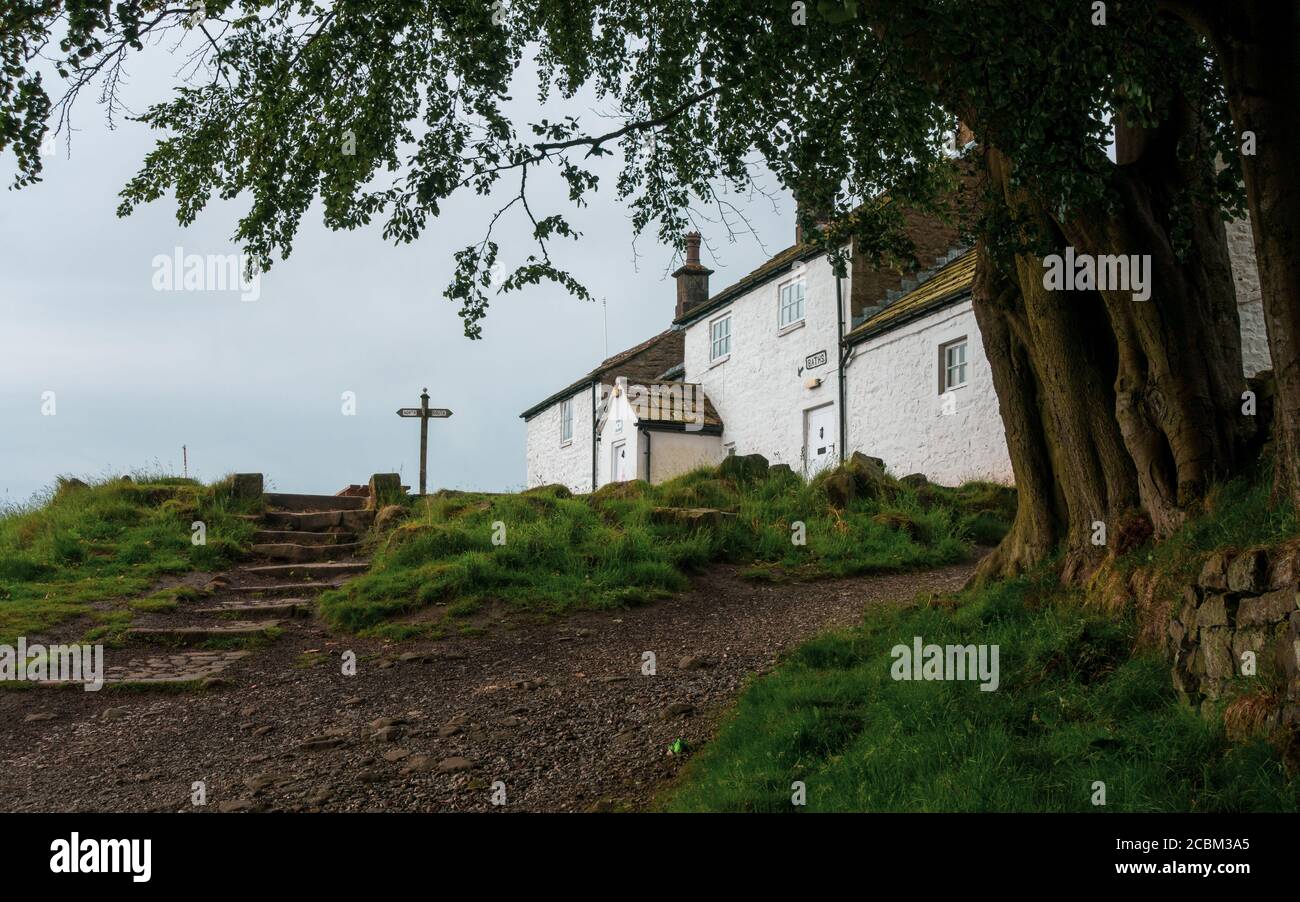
(88, 543)
(608, 550)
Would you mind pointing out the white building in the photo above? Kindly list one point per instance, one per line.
(805, 368)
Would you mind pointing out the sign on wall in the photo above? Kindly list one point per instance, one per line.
(812, 361)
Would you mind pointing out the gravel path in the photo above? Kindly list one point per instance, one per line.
(559, 715)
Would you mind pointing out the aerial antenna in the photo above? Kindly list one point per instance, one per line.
(604, 312)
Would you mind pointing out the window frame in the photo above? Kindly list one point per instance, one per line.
(944, 367)
(566, 422)
(801, 282)
(714, 355)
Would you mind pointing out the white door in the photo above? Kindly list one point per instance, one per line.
(820, 431)
(619, 463)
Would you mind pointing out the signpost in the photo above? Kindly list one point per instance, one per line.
(425, 413)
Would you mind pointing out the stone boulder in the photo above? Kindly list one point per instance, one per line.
(743, 468)
(551, 490)
(914, 480)
(390, 515)
(246, 486)
(840, 488)
(1248, 571)
(690, 517)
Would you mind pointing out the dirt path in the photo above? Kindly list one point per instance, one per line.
(560, 713)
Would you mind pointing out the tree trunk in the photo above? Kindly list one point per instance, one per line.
(1258, 45)
(1116, 411)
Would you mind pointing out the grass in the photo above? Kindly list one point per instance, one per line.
(546, 552)
(1076, 704)
(86, 544)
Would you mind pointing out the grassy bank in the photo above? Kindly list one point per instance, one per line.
(92, 543)
(546, 552)
(1075, 705)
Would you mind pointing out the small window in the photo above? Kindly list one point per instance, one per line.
(566, 421)
(952, 365)
(720, 338)
(791, 303)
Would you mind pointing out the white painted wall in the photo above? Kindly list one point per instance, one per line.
(619, 425)
(549, 461)
(896, 413)
(675, 453)
(1250, 307)
(758, 390)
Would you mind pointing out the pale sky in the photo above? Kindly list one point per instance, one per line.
(257, 386)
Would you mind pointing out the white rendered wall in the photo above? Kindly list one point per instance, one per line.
(675, 453)
(1250, 308)
(896, 413)
(759, 390)
(549, 461)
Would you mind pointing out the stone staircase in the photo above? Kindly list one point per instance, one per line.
(304, 545)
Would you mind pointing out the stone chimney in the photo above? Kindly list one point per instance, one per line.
(692, 278)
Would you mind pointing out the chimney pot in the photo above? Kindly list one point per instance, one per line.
(692, 248)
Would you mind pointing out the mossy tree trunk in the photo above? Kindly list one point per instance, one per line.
(1116, 410)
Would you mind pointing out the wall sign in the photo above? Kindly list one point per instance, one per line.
(812, 361)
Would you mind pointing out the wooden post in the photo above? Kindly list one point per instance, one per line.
(424, 435)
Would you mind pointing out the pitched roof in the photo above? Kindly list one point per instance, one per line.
(947, 286)
(645, 362)
(668, 402)
(782, 261)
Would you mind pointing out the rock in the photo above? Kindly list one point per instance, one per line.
(840, 489)
(1272, 607)
(371, 775)
(690, 517)
(234, 806)
(898, 521)
(380, 722)
(694, 662)
(217, 583)
(552, 490)
(1248, 572)
(247, 486)
(452, 728)
(453, 765)
(352, 702)
(743, 467)
(780, 471)
(382, 489)
(69, 484)
(1285, 570)
(1213, 612)
(215, 683)
(114, 713)
(390, 515)
(419, 764)
(38, 717)
(320, 743)
(874, 465)
(1216, 648)
(261, 781)
(678, 709)
(396, 754)
(389, 734)
(263, 730)
(511, 721)
(914, 480)
(1214, 574)
(619, 491)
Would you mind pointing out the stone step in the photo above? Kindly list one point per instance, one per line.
(307, 571)
(302, 554)
(318, 521)
(299, 537)
(287, 502)
(274, 607)
(285, 588)
(188, 635)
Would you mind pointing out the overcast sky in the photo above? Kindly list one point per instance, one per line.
(257, 386)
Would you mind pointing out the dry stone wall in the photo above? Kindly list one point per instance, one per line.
(1246, 602)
